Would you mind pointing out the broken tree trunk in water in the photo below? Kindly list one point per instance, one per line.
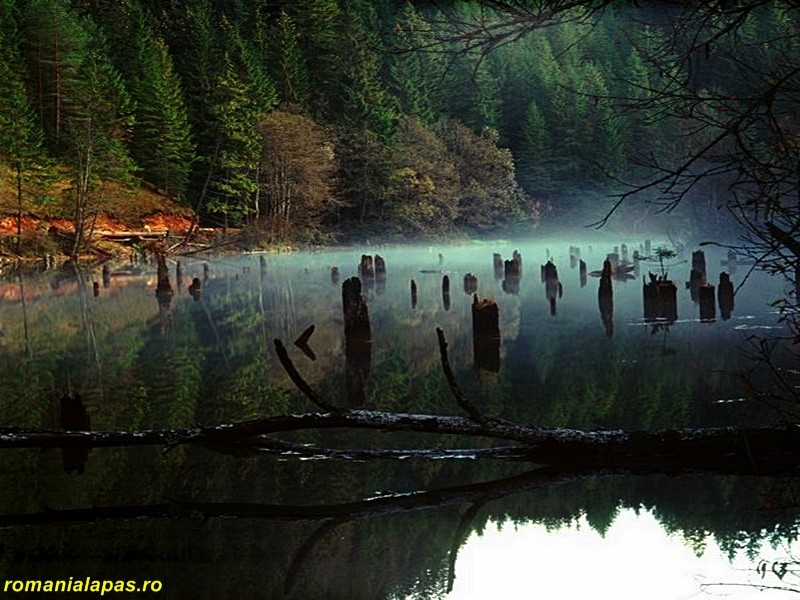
(446, 292)
(660, 300)
(725, 296)
(499, 269)
(413, 294)
(511, 274)
(605, 300)
(553, 289)
(485, 335)
(582, 269)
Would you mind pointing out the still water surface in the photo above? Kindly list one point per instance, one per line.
(139, 363)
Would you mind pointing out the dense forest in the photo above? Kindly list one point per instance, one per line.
(306, 118)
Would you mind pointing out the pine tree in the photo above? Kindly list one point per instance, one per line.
(534, 151)
(20, 138)
(235, 112)
(288, 62)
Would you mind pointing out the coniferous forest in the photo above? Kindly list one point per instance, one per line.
(313, 118)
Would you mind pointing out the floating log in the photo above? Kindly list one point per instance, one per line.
(707, 302)
(499, 269)
(354, 307)
(446, 292)
(485, 335)
(335, 275)
(582, 268)
(660, 300)
(725, 296)
(605, 300)
(470, 284)
(413, 294)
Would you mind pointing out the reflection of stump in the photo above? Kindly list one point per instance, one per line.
(499, 270)
(380, 275)
(582, 267)
(552, 286)
(605, 299)
(660, 300)
(511, 273)
(358, 336)
(470, 284)
(196, 289)
(178, 276)
(413, 294)
(725, 296)
(486, 335)
(335, 275)
(205, 272)
(707, 301)
(699, 262)
(356, 315)
(446, 292)
(697, 279)
(73, 417)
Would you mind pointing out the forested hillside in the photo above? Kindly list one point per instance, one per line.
(317, 116)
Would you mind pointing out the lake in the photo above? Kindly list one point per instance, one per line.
(259, 525)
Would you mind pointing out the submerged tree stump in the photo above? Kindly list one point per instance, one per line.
(552, 285)
(380, 267)
(196, 289)
(413, 294)
(517, 258)
(707, 302)
(358, 338)
(107, 277)
(470, 284)
(366, 270)
(335, 275)
(164, 291)
(725, 296)
(486, 335)
(660, 300)
(446, 292)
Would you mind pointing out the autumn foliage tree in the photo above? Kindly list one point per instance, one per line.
(297, 169)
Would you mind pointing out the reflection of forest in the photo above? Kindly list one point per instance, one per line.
(212, 361)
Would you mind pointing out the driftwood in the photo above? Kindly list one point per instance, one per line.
(728, 450)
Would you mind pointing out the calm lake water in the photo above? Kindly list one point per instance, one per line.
(138, 363)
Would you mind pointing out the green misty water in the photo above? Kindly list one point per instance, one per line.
(138, 363)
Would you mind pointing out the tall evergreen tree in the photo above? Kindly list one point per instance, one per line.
(288, 62)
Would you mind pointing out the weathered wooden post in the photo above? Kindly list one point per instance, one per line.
(446, 292)
(499, 270)
(470, 284)
(605, 299)
(725, 296)
(358, 340)
(335, 275)
(485, 335)
(413, 294)
(582, 268)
